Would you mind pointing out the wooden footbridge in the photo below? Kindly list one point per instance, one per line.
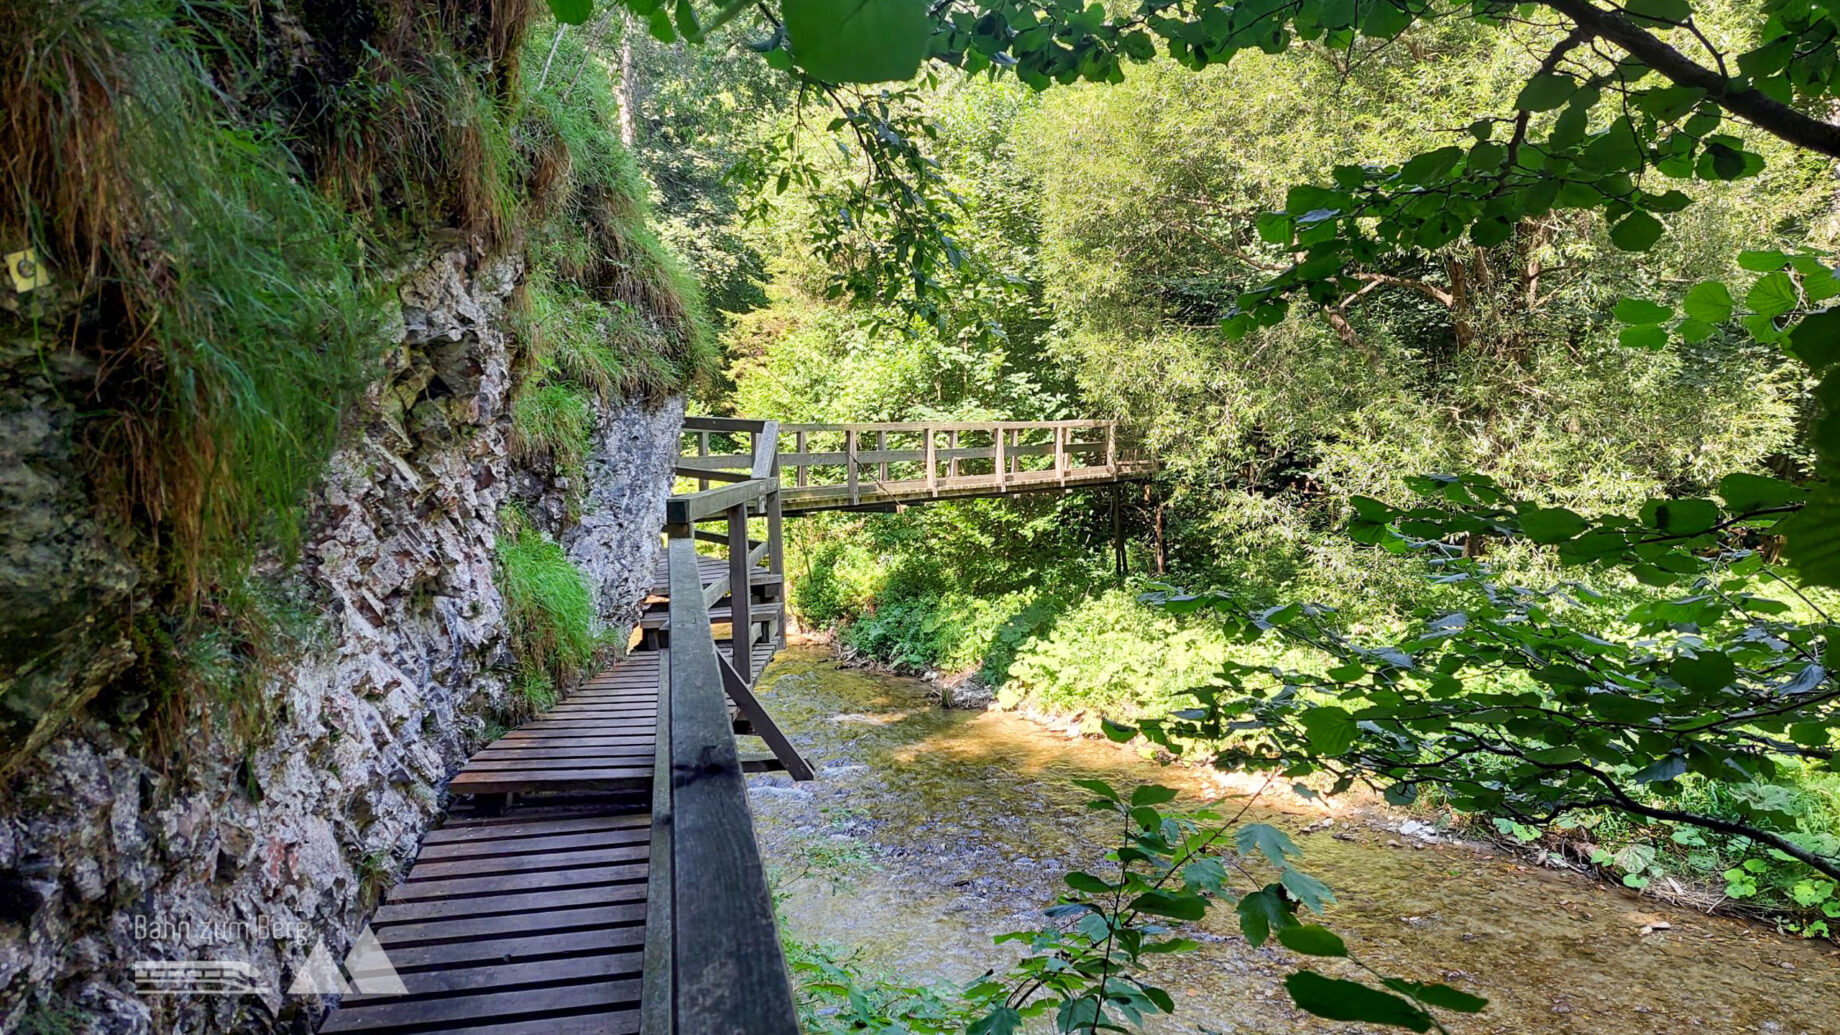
(599, 872)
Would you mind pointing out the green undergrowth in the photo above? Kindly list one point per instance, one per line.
(549, 608)
(1710, 868)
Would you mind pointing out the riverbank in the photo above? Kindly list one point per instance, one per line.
(937, 830)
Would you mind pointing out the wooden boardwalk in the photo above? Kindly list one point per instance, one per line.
(599, 874)
(527, 912)
(523, 923)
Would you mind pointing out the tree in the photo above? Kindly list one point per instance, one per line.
(1620, 100)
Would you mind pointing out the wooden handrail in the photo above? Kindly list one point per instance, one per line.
(692, 507)
(727, 972)
(725, 424)
(874, 464)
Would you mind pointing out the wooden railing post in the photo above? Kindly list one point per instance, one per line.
(798, 446)
(740, 600)
(932, 458)
(849, 450)
(952, 464)
(998, 434)
(1111, 447)
(702, 449)
(1060, 453)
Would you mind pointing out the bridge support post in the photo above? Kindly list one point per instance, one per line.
(1118, 528)
(740, 597)
(849, 449)
(932, 459)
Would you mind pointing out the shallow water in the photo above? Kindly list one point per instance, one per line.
(968, 821)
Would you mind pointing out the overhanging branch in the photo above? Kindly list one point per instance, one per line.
(1771, 116)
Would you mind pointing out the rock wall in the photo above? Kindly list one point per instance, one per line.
(260, 848)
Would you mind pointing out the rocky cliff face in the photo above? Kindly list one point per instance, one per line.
(262, 846)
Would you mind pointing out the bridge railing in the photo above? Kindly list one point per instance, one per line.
(826, 466)
(713, 961)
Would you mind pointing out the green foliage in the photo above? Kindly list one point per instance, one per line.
(241, 345)
(554, 419)
(611, 306)
(858, 41)
(549, 608)
(1527, 703)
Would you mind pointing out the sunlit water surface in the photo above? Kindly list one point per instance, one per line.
(968, 821)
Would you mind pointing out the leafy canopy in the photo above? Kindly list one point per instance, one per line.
(1625, 103)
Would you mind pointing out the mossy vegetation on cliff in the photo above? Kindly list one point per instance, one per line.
(224, 198)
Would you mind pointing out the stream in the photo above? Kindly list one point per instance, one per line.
(957, 826)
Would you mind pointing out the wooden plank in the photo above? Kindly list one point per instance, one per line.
(557, 761)
(725, 424)
(573, 970)
(431, 1015)
(596, 941)
(572, 841)
(656, 1015)
(604, 779)
(503, 830)
(697, 506)
(615, 1022)
(762, 723)
(513, 924)
(766, 449)
(499, 865)
(421, 891)
(738, 565)
(520, 903)
(590, 738)
(591, 751)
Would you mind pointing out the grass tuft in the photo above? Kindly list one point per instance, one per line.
(547, 603)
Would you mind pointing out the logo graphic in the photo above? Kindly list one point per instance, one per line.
(196, 977)
(366, 971)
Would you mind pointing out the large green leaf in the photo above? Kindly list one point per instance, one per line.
(1262, 912)
(1177, 907)
(1816, 340)
(1813, 538)
(1709, 302)
(1338, 1000)
(1640, 310)
(1710, 672)
(1554, 525)
(1546, 92)
(1331, 730)
(1744, 493)
(1443, 997)
(1312, 940)
(571, 12)
(858, 41)
(1269, 841)
(1772, 295)
(1638, 232)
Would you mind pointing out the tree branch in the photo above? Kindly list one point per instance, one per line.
(1771, 116)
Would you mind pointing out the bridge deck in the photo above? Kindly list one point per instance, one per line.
(533, 921)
